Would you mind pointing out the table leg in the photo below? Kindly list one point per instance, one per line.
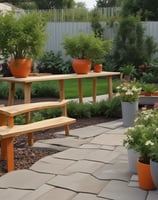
(110, 91)
(27, 92)
(11, 94)
(27, 99)
(94, 89)
(80, 90)
(61, 89)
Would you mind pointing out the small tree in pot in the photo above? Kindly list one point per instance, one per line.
(22, 38)
(83, 47)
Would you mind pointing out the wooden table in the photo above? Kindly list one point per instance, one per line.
(26, 82)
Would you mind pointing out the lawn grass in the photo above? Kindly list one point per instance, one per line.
(71, 87)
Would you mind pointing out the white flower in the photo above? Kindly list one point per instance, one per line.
(149, 142)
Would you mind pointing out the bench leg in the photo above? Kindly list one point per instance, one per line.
(30, 139)
(7, 148)
(66, 130)
(2, 120)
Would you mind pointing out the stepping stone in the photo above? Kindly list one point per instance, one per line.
(102, 156)
(83, 166)
(35, 194)
(66, 142)
(51, 165)
(78, 182)
(87, 132)
(119, 190)
(111, 125)
(57, 194)
(82, 196)
(152, 195)
(25, 179)
(113, 172)
(109, 139)
(73, 154)
(13, 194)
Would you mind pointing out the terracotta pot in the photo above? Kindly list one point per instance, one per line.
(81, 66)
(144, 176)
(98, 68)
(20, 68)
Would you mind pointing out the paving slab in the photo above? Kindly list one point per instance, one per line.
(119, 190)
(120, 130)
(118, 171)
(67, 142)
(83, 166)
(152, 195)
(73, 154)
(57, 194)
(90, 146)
(13, 194)
(35, 194)
(108, 139)
(43, 145)
(82, 196)
(112, 124)
(78, 182)
(51, 165)
(87, 132)
(24, 179)
(103, 156)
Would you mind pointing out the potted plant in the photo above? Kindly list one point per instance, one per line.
(22, 38)
(83, 48)
(127, 72)
(148, 89)
(103, 48)
(129, 95)
(138, 139)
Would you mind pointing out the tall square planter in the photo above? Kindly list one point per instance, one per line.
(129, 113)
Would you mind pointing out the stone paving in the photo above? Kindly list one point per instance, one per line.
(92, 165)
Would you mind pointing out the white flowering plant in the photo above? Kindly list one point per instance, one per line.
(129, 92)
(147, 117)
(154, 150)
(141, 139)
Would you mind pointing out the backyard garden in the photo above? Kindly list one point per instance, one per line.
(131, 52)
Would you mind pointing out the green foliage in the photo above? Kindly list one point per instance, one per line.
(95, 24)
(44, 89)
(53, 63)
(22, 37)
(110, 108)
(131, 46)
(149, 74)
(149, 87)
(128, 70)
(147, 9)
(86, 46)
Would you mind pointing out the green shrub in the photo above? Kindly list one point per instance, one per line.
(44, 89)
(54, 64)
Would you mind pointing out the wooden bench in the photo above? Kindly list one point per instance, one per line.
(8, 130)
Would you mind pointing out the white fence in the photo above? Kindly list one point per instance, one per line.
(57, 31)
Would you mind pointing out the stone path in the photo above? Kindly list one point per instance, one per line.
(91, 165)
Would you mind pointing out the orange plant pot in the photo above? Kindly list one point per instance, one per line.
(81, 66)
(20, 68)
(144, 176)
(98, 68)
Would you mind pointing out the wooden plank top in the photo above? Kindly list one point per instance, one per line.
(37, 78)
(28, 107)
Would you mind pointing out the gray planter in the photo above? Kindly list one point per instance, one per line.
(154, 172)
(129, 113)
(132, 160)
